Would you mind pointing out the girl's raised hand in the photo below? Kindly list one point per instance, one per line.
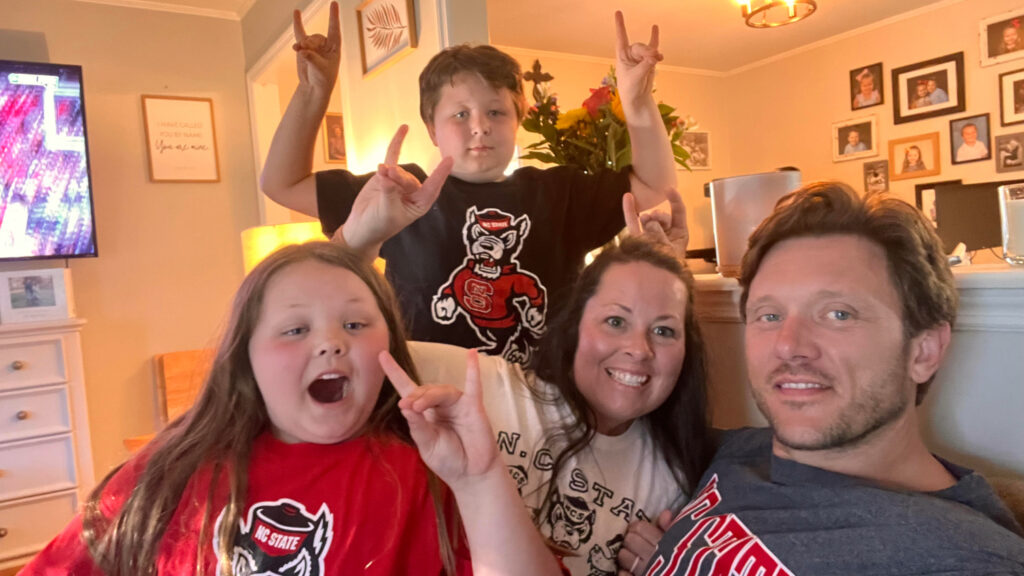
(449, 425)
(318, 56)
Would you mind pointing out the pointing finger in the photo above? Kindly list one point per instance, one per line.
(334, 26)
(395, 147)
(399, 379)
(629, 213)
(297, 28)
(678, 209)
(621, 36)
(654, 37)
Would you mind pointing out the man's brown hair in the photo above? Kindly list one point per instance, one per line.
(918, 267)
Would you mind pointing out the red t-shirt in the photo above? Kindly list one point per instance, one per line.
(358, 507)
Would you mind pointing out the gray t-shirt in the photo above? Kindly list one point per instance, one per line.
(760, 514)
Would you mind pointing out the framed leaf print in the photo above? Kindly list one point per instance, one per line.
(387, 30)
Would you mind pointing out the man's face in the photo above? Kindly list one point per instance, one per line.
(970, 134)
(826, 354)
(853, 137)
(932, 86)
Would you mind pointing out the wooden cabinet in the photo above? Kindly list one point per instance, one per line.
(45, 459)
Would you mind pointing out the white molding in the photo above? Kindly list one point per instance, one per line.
(175, 8)
(443, 32)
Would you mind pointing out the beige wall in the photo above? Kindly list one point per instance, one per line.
(170, 254)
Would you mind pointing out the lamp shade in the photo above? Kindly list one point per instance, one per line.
(259, 241)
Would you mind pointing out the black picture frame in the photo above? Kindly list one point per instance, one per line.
(983, 134)
(1011, 97)
(872, 73)
(942, 79)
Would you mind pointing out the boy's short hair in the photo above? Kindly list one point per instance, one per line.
(497, 68)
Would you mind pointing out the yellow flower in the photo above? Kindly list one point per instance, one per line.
(617, 106)
(571, 117)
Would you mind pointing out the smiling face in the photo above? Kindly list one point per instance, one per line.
(969, 133)
(631, 344)
(913, 154)
(314, 353)
(475, 125)
(828, 361)
(853, 137)
(1010, 38)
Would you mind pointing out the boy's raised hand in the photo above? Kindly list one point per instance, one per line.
(668, 228)
(392, 198)
(634, 63)
(318, 56)
(449, 426)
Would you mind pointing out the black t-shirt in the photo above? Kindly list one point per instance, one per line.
(489, 261)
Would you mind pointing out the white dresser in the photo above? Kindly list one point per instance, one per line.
(45, 457)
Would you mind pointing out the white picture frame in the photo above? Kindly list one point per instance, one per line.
(992, 32)
(866, 146)
(180, 139)
(35, 295)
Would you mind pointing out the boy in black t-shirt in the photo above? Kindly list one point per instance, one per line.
(488, 253)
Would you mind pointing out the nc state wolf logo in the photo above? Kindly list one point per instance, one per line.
(571, 521)
(281, 539)
(504, 305)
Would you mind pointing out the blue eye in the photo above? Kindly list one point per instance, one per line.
(841, 315)
(769, 317)
(461, 115)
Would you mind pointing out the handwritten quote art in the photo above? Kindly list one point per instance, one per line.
(180, 139)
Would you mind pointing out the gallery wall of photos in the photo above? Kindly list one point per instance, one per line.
(933, 94)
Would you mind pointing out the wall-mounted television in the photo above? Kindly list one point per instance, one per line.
(46, 208)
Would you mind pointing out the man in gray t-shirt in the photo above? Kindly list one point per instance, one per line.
(848, 305)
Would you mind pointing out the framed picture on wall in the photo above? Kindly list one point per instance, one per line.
(180, 139)
(927, 89)
(1000, 37)
(698, 144)
(334, 139)
(855, 138)
(866, 86)
(914, 157)
(876, 177)
(1011, 97)
(970, 139)
(1009, 152)
(387, 31)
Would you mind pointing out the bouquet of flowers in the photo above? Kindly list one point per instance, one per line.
(594, 135)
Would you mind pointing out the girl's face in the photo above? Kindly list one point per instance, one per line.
(314, 353)
(913, 155)
(867, 84)
(632, 344)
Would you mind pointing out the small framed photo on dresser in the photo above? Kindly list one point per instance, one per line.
(35, 295)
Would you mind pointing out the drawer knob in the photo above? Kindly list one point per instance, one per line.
(22, 415)
(3, 532)
(17, 365)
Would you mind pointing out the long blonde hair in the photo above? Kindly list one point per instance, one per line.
(219, 430)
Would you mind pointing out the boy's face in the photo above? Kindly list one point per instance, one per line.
(475, 125)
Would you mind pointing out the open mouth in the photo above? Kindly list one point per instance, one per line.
(329, 388)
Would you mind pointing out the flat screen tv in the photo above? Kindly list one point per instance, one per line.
(46, 208)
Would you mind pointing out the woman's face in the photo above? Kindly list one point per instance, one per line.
(631, 344)
(913, 155)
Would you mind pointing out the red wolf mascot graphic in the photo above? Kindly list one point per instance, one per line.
(282, 539)
(504, 305)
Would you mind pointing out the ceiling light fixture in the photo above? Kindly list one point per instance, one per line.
(774, 13)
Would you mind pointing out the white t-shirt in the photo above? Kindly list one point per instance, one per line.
(607, 485)
(976, 151)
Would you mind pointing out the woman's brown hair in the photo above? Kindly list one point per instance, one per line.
(219, 430)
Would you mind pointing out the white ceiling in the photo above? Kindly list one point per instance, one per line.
(700, 35)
